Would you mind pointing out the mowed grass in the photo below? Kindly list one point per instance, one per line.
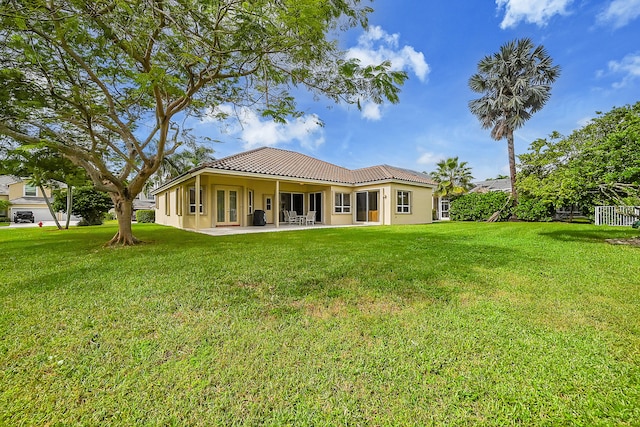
(442, 324)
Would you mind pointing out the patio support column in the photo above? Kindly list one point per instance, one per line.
(198, 202)
(276, 203)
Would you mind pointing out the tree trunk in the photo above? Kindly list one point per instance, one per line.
(512, 171)
(69, 204)
(124, 209)
(53, 214)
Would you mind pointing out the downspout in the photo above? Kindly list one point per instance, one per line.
(197, 190)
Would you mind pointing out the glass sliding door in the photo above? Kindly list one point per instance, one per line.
(367, 206)
(291, 202)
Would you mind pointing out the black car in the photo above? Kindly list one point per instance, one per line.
(23, 216)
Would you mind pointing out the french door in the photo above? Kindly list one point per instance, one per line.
(227, 200)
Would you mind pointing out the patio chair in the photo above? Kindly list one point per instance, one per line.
(310, 218)
(291, 217)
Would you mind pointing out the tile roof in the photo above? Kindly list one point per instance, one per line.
(5, 181)
(502, 184)
(284, 163)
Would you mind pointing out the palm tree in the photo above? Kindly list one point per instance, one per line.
(515, 83)
(453, 177)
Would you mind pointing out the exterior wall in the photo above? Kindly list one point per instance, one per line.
(340, 218)
(421, 205)
(16, 191)
(179, 216)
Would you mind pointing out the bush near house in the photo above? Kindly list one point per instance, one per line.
(146, 215)
(480, 206)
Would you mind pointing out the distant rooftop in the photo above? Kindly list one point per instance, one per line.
(503, 184)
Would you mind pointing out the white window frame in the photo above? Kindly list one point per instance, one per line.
(192, 202)
(339, 206)
(250, 206)
(403, 206)
(35, 190)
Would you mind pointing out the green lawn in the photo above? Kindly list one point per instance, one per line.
(443, 324)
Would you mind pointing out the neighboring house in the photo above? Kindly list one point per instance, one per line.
(26, 197)
(144, 201)
(272, 180)
(502, 184)
(4, 193)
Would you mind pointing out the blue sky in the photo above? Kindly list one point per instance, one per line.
(439, 44)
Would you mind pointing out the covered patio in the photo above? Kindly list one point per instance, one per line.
(268, 228)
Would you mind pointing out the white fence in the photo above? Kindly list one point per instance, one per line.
(617, 215)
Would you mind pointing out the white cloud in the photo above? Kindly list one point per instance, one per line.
(619, 13)
(537, 12)
(371, 111)
(629, 67)
(376, 45)
(429, 159)
(257, 132)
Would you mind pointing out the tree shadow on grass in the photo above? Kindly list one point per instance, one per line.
(321, 264)
(589, 236)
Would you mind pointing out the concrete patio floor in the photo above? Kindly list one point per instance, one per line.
(269, 228)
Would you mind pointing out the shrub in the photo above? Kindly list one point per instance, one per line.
(146, 215)
(533, 210)
(480, 206)
(88, 203)
(5, 219)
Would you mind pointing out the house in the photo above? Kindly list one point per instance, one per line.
(23, 196)
(230, 190)
(499, 184)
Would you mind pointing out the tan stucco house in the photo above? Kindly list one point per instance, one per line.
(230, 190)
(25, 197)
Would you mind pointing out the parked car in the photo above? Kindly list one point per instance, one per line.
(24, 216)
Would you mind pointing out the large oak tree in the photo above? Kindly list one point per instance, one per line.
(109, 83)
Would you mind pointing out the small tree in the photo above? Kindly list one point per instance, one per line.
(4, 205)
(88, 203)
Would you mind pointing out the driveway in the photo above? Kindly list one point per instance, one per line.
(44, 224)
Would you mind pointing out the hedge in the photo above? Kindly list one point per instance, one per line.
(480, 206)
(146, 215)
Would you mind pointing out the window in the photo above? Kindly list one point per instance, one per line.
(167, 204)
(30, 190)
(179, 201)
(342, 203)
(268, 204)
(250, 202)
(192, 200)
(403, 202)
